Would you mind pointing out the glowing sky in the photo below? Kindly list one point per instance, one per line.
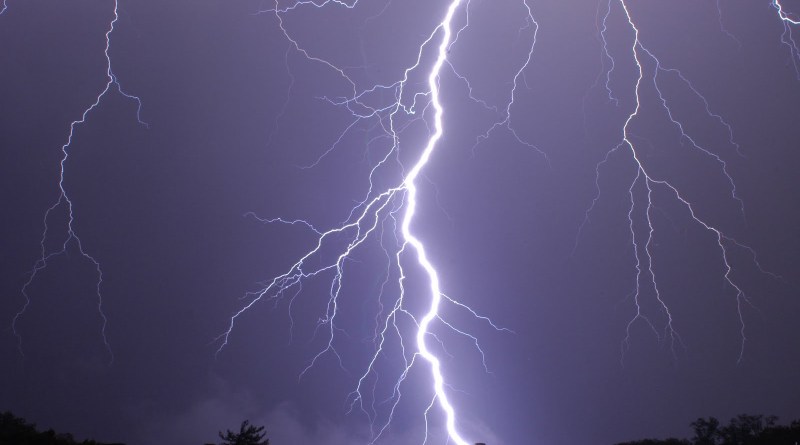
(235, 114)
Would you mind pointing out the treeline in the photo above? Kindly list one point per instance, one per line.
(16, 431)
(743, 429)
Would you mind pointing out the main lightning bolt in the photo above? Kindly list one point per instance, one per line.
(393, 208)
(411, 207)
(64, 202)
(386, 215)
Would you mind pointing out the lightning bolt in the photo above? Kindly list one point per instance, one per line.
(647, 182)
(411, 207)
(393, 209)
(389, 210)
(505, 121)
(64, 203)
(385, 214)
(722, 26)
(789, 20)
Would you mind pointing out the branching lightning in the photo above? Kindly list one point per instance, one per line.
(385, 215)
(391, 209)
(645, 277)
(394, 208)
(789, 21)
(64, 203)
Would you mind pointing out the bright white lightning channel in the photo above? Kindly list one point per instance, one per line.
(370, 214)
(395, 207)
(411, 187)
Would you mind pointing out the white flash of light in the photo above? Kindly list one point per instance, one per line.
(364, 221)
(411, 188)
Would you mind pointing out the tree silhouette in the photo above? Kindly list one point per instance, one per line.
(247, 435)
(744, 429)
(706, 431)
(17, 431)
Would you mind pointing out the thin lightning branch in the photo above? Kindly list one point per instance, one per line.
(603, 31)
(722, 26)
(679, 125)
(283, 221)
(285, 102)
(789, 20)
(64, 202)
(505, 122)
(645, 277)
(600, 36)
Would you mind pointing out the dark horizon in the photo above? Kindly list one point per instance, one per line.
(214, 124)
(744, 428)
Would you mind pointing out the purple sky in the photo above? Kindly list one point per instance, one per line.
(235, 113)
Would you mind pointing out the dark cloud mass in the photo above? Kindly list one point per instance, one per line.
(235, 114)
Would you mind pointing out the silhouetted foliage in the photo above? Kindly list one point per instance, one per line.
(247, 435)
(16, 431)
(705, 431)
(670, 441)
(743, 429)
(746, 430)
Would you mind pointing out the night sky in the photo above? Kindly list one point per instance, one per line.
(241, 127)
